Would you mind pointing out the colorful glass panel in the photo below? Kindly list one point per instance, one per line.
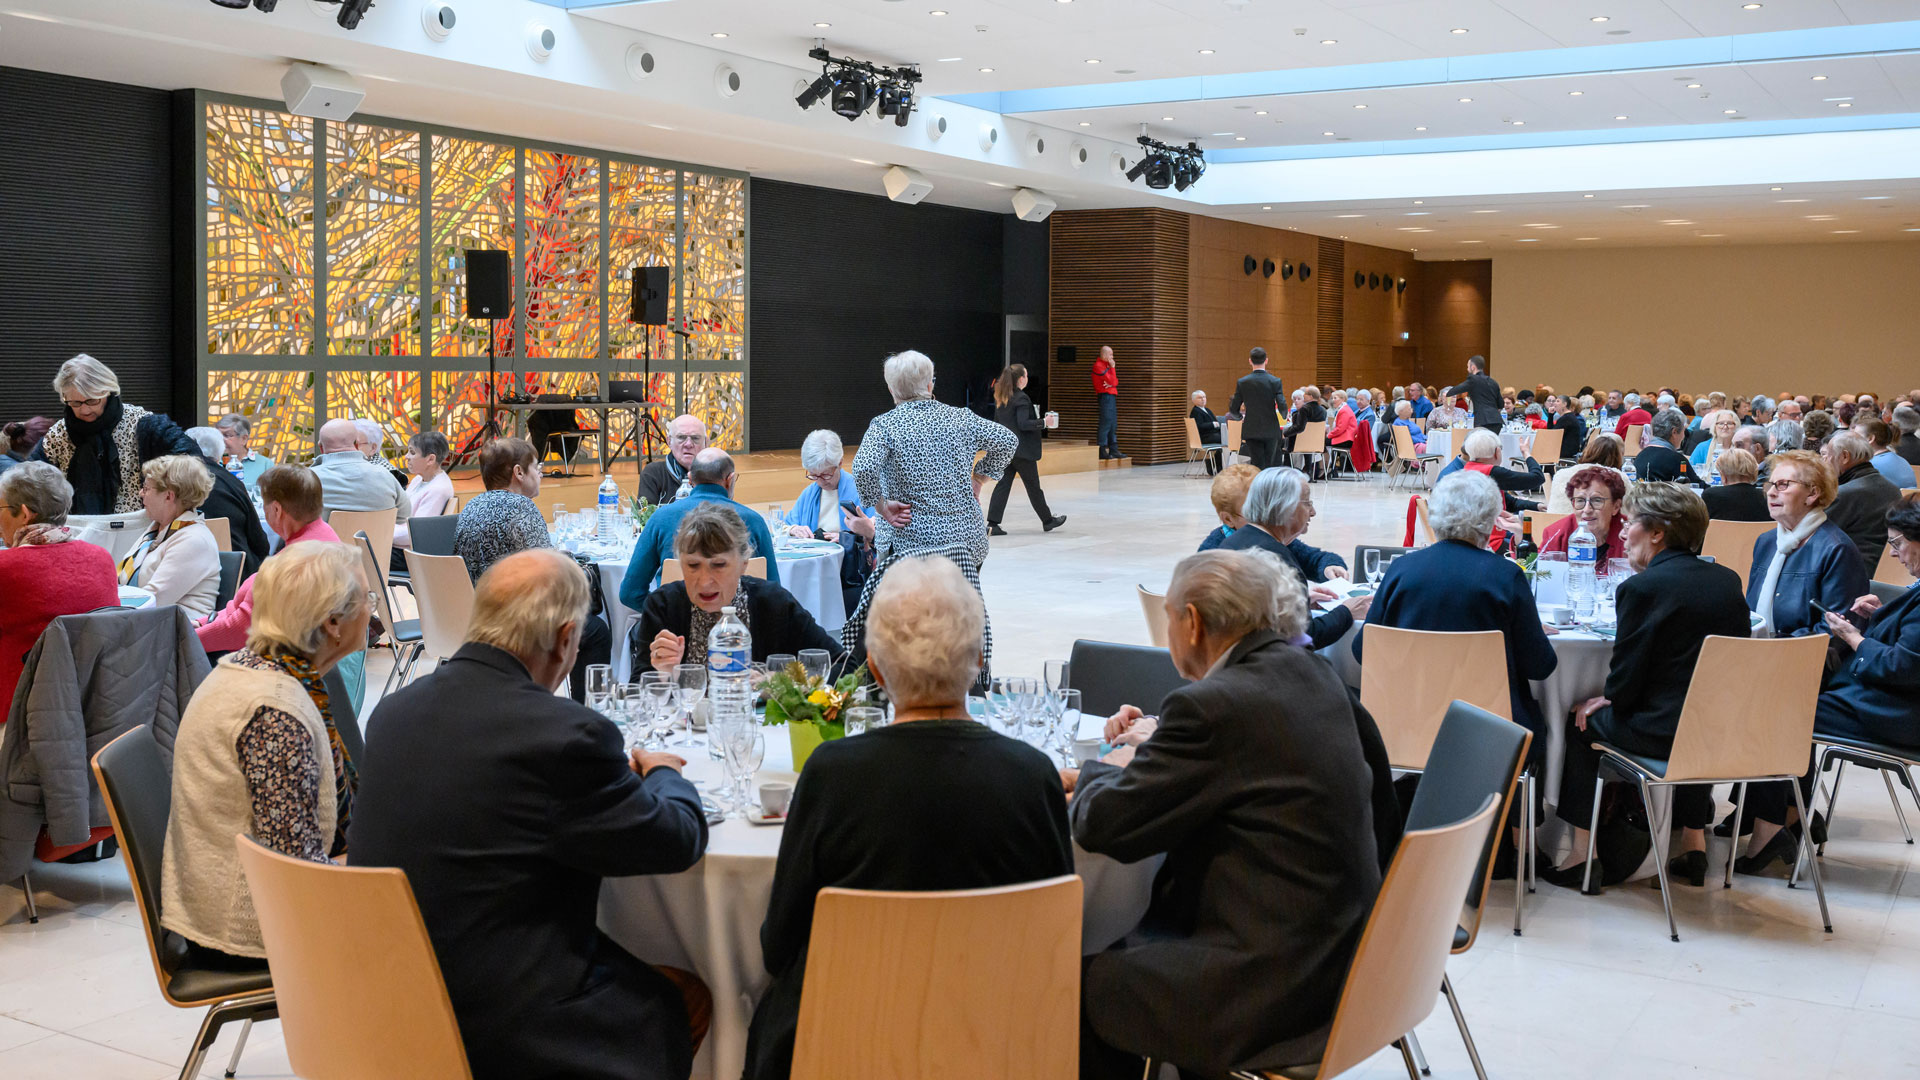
(720, 398)
(471, 207)
(560, 260)
(388, 398)
(373, 240)
(642, 210)
(279, 403)
(259, 239)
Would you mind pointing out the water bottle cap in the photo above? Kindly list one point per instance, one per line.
(728, 610)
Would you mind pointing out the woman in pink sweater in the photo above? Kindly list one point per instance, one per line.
(45, 572)
(291, 495)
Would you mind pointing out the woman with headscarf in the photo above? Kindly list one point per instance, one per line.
(101, 442)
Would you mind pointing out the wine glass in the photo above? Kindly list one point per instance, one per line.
(690, 685)
(1055, 674)
(658, 700)
(861, 719)
(1370, 564)
(777, 524)
(816, 663)
(1000, 695)
(778, 663)
(1066, 722)
(630, 706)
(742, 745)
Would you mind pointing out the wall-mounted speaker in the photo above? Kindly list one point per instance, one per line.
(1373, 281)
(1359, 279)
(1286, 270)
(1305, 271)
(651, 293)
(1247, 263)
(1066, 354)
(1403, 285)
(489, 284)
(1266, 268)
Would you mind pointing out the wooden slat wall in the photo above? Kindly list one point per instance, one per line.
(1230, 311)
(1119, 278)
(1373, 352)
(1330, 319)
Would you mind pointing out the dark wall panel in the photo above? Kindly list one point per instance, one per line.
(841, 280)
(86, 244)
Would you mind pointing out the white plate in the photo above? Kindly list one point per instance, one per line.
(767, 819)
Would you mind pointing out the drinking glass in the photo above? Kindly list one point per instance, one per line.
(657, 700)
(742, 746)
(690, 685)
(634, 718)
(864, 718)
(816, 662)
(1370, 564)
(1066, 722)
(777, 524)
(1000, 696)
(778, 663)
(599, 686)
(1055, 674)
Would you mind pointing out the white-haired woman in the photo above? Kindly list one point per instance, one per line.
(1479, 452)
(1457, 585)
(1278, 509)
(868, 810)
(101, 443)
(828, 508)
(1722, 424)
(237, 431)
(177, 559)
(257, 753)
(921, 466)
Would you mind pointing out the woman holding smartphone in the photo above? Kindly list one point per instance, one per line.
(828, 508)
(1014, 411)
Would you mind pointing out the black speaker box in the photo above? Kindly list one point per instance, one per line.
(651, 292)
(1066, 354)
(489, 285)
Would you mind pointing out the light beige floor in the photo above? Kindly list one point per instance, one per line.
(1754, 989)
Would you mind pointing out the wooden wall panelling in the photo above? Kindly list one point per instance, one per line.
(1329, 335)
(1375, 318)
(1119, 278)
(1456, 316)
(1231, 311)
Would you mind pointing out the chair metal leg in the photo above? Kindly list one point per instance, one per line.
(26, 890)
(1660, 850)
(1806, 844)
(1593, 833)
(1533, 834)
(1733, 842)
(1525, 857)
(233, 1063)
(1407, 1057)
(219, 1016)
(1460, 1020)
(1894, 796)
(1839, 774)
(1419, 1055)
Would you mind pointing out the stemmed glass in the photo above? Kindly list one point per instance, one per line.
(1001, 693)
(1370, 564)
(860, 719)
(1054, 674)
(742, 745)
(630, 712)
(657, 693)
(777, 524)
(1065, 706)
(816, 663)
(690, 685)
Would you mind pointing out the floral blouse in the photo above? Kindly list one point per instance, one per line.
(282, 768)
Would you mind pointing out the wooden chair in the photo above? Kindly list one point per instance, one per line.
(1154, 606)
(1633, 439)
(1730, 543)
(1426, 523)
(1230, 434)
(1409, 678)
(1734, 728)
(670, 569)
(1403, 951)
(975, 982)
(222, 530)
(1546, 446)
(1406, 457)
(377, 524)
(367, 1002)
(445, 596)
(1197, 450)
(1542, 521)
(1889, 571)
(138, 791)
(1311, 442)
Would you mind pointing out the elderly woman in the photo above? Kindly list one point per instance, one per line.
(1606, 450)
(1403, 418)
(1457, 584)
(177, 559)
(44, 574)
(1595, 493)
(829, 508)
(237, 432)
(1667, 609)
(1806, 558)
(229, 499)
(1278, 509)
(1480, 452)
(257, 753)
(713, 546)
(1816, 428)
(1723, 424)
(1738, 496)
(1013, 410)
(1786, 435)
(868, 810)
(922, 465)
(1228, 493)
(1660, 458)
(101, 443)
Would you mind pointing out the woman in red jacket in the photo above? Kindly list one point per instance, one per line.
(45, 572)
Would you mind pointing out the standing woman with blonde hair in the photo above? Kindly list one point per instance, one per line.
(101, 443)
(1013, 410)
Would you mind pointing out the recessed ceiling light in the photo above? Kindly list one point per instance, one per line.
(1598, 18)
(1751, 7)
(948, 59)
(1329, 41)
(1773, 189)
(1676, 221)
(1586, 238)
(821, 25)
(1529, 239)
(1421, 128)
(1259, 112)
(1326, 133)
(1792, 200)
(1419, 202)
(1576, 93)
(1091, 60)
(1819, 78)
(1206, 52)
(1486, 211)
(1419, 213)
(1239, 138)
(1349, 215)
(1636, 206)
(1473, 241)
(1540, 225)
(1519, 123)
(1166, 118)
(1728, 112)
(1586, 196)
(936, 12)
(1458, 30)
(1465, 100)
(986, 71)
(1620, 118)
(862, 161)
(1710, 235)
(1266, 208)
(719, 34)
(1844, 105)
(1821, 217)
(1086, 123)
(1838, 231)
(1693, 86)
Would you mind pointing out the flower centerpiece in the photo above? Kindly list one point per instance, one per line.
(810, 706)
(641, 510)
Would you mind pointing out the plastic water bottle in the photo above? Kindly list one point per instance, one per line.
(1583, 552)
(729, 675)
(1627, 470)
(1713, 468)
(609, 508)
(234, 469)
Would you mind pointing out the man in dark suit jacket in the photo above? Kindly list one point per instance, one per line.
(1256, 399)
(506, 806)
(1666, 612)
(1254, 783)
(1483, 392)
(1659, 460)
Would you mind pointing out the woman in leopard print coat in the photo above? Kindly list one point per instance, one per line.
(101, 443)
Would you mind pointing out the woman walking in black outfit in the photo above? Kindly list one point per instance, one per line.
(1014, 410)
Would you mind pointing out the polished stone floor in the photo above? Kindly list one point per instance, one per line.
(1753, 990)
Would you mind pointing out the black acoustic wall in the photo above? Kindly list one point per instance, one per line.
(841, 280)
(86, 239)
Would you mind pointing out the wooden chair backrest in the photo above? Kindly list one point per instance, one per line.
(1426, 524)
(1403, 444)
(1731, 544)
(377, 524)
(1408, 678)
(1193, 434)
(222, 530)
(1312, 438)
(1393, 981)
(453, 504)
(444, 594)
(1154, 606)
(376, 574)
(670, 569)
(1542, 521)
(1546, 444)
(1890, 570)
(1633, 439)
(358, 986)
(1230, 431)
(1749, 708)
(943, 985)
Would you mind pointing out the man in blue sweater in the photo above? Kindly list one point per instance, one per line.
(712, 477)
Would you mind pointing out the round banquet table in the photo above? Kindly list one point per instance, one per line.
(1512, 445)
(707, 919)
(810, 570)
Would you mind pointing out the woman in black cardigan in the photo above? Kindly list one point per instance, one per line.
(1014, 411)
(713, 546)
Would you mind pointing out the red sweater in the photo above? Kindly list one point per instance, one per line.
(227, 629)
(1105, 379)
(40, 583)
(1631, 418)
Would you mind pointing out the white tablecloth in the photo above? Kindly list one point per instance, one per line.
(1511, 445)
(810, 573)
(707, 920)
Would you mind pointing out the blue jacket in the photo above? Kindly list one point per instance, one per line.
(1826, 568)
(1453, 586)
(806, 505)
(656, 542)
(1314, 561)
(1877, 694)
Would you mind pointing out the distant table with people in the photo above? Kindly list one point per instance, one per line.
(707, 919)
(1512, 444)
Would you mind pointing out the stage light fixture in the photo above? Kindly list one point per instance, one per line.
(851, 86)
(1163, 166)
(814, 92)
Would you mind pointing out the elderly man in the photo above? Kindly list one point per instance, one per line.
(1417, 394)
(1363, 409)
(292, 501)
(712, 477)
(1660, 458)
(665, 480)
(503, 520)
(1254, 783)
(507, 806)
(1635, 415)
(236, 430)
(1860, 509)
(348, 481)
(1612, 411)
(1790, 409)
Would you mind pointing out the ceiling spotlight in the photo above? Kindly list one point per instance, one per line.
(1819, 78)
(1620, 118)
(1844, 105)
(1091, 61)
(718, 34)
(821, 25)
(850, 86)
(1576, 93)
(1206, 52)
(1465, 100)
(936, 12)
(1359, 106)
(1422, 127)
(1773, 189)
(818, 89)
(1086, 123)
(1728, 112)
(1751, 7)
(1164, 166)
(1598, 18)
(1693, 86)
(1259, 112)
(1328, 41)
(1458, 30)
(1326, 133)
(986, 71)
(351, 12)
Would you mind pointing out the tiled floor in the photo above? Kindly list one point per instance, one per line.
(1753, 990)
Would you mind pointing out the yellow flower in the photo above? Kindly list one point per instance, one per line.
(818, 697)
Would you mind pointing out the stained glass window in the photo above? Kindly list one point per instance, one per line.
(471, 207)
(388, 398)
(641, 217)
(560, 260)
(259, 232)
(720, 398)
(280, 404)
(373, 240)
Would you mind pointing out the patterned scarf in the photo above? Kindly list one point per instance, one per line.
(136, 559)
(41, 533)
(346, 779)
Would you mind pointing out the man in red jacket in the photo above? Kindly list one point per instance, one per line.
(1106, 390)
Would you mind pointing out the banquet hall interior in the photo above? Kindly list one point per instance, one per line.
(1554, 243)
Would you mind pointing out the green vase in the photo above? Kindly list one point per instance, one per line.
(806, 738)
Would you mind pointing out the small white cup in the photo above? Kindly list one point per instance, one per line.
(1562, 615)
(1085, 750)
(775, 795)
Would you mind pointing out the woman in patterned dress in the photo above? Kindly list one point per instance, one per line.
(914, 466)
(101, 443)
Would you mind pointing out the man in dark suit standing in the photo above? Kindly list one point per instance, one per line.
(1254, 783)
(1256, 399)
(1483, 392)
(506, 806)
